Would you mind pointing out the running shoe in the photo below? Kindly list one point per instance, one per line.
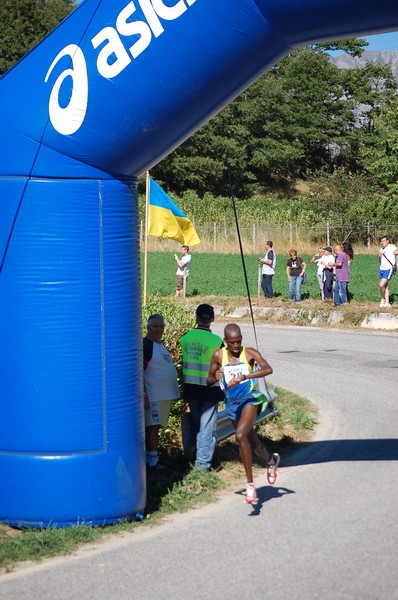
(382, 303)
(159, 467)
(251, 496)
(272, 468)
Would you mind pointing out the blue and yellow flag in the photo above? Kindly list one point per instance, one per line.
(167, 220)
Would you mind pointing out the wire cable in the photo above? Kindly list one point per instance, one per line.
(231, 192)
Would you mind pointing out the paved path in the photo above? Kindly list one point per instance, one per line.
(327, 530)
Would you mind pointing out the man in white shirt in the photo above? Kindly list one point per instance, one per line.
(268, 269)
(387, 260)
(182, 271)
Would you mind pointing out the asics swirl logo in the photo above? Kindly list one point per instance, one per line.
(68, 119)
(114, 55)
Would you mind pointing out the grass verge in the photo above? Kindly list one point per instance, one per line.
(178, 489)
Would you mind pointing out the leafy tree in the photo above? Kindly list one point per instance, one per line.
(316, 113)
(296, 119)
(23, 23)
(201, 162)
(302, 117)
(381, 156)
(273, 151)
(352, 46)
(370, 87)
(336, 193)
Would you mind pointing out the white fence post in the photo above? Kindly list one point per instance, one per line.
(259, 278)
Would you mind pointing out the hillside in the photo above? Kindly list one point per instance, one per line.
(344, 61)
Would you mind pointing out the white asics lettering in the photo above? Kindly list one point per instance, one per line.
(113, 57)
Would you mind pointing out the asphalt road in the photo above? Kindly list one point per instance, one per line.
(327, 530)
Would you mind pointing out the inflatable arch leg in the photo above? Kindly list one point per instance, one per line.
(72, 429)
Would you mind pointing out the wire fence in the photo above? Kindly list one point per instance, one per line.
(222, 238)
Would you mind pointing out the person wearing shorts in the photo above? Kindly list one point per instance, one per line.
(387, 254)
(183, 265)
(232, 366)
(160, 387)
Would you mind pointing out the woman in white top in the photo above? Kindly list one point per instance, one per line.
(160, 387)
(317, 259)
(387, 260)
(328, 262)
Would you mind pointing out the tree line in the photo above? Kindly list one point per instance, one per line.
(302, 120)
(333, 130)
(23, 23)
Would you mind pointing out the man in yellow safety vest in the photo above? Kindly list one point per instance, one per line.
(197, 347)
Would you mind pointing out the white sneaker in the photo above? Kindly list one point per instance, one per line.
(387, 305)
(272, 470)
(251, 496)
(382, 303)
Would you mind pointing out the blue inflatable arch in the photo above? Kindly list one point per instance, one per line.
(112, 90)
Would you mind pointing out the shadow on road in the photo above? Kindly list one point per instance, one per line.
(342, 450)
(265, 494)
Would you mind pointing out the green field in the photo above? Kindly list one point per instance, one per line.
(222, 275)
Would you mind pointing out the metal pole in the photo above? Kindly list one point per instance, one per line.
(260, 268)
(146, 236)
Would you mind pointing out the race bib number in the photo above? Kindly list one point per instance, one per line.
(233, 371)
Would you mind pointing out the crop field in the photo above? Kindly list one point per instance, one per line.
(223, 275)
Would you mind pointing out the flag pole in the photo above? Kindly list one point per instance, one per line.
(146, 236)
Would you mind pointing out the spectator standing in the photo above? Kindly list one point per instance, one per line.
(160, 387)
(198, 347)
(342, 276)
(387, 261)
(233, 366)
(348, 249)
(183, 266)
(328, 274)
(317, 259)
(295, 270)
(268, 269)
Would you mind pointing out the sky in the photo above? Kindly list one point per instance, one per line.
(383, 41)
